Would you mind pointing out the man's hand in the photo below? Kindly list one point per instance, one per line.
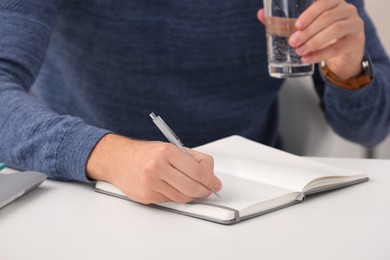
(152, 172)
(330, 30)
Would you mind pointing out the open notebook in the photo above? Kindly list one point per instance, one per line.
(257, 179)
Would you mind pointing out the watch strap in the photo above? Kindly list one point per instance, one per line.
(354, 83)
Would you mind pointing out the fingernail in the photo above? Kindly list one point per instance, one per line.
(218, 185)
(294, 39)
(301, 50)
(299, 24)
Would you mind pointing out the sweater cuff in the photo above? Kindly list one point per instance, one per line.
(74, 150)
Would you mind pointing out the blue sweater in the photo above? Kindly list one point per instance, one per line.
(71, 71)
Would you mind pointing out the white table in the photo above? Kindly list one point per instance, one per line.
(70, 221)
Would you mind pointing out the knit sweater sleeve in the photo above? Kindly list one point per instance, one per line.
(33, 137)
(363, 115)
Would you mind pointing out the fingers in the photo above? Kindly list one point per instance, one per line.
(169, 174)
(198, 169)
(181, 182)
(331, 30)
(324, 24)
(336, 49)
(314, 11)
(330, 25)
(156, 191)
(327, 39)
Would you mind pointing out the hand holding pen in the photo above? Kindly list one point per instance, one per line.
(152, 172)
(171, 136)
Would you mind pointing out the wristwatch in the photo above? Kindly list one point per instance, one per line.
(357, 82)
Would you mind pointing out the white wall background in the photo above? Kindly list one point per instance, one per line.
(379, 13)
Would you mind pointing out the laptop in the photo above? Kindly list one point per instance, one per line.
(15, 185)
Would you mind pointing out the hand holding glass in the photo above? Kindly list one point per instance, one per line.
(280, 18)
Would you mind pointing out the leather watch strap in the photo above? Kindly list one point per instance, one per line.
(353, 83)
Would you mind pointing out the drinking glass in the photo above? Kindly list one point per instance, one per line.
(280, 17)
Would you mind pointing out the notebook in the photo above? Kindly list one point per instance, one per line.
(15, 185)
(257, 179)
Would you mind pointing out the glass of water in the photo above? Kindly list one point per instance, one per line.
(280, 17)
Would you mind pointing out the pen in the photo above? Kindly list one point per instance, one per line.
(2, 166)
(170, 135)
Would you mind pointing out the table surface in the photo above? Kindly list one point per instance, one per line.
(70, 221)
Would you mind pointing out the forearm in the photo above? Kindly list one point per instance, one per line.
(35, 138)
(362, 115)
(31, 135)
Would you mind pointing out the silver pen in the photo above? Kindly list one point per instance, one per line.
(170, 135)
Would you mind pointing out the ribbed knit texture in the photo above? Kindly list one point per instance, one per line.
(98, 66)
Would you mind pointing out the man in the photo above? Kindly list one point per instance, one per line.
(98, 68)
